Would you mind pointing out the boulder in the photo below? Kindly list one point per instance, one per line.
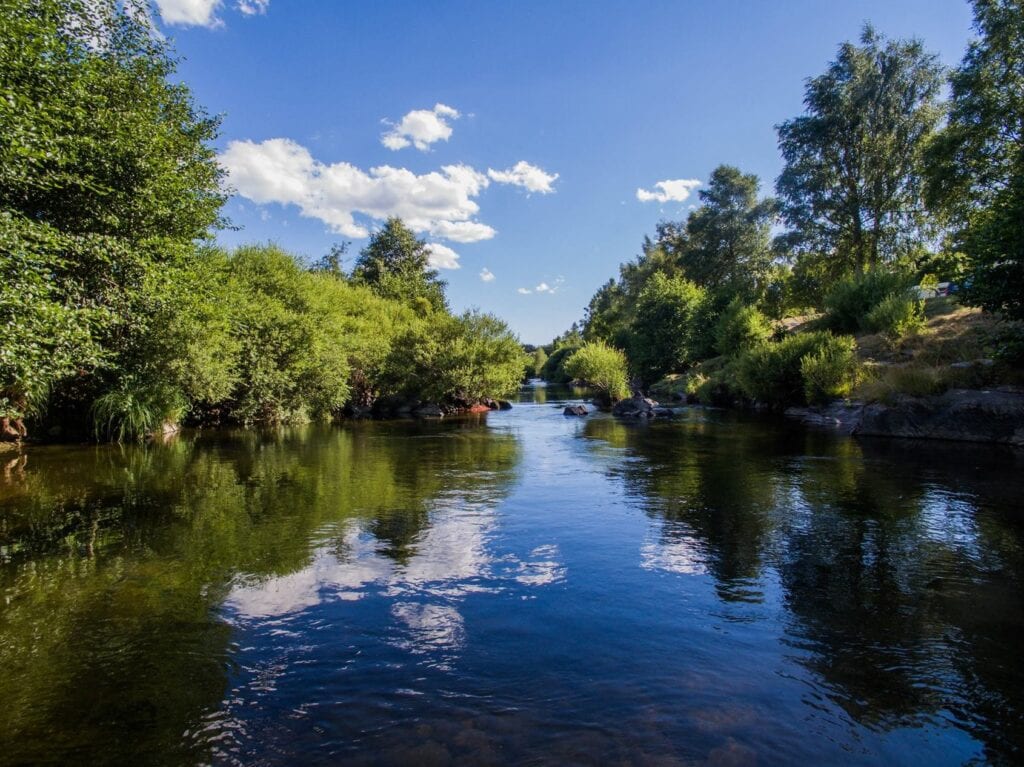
(637, 406)
(959, 414)
(963, 415)
(504, 405)
(575, 410)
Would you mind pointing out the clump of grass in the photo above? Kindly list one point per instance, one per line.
(135, 410)
(885, 383)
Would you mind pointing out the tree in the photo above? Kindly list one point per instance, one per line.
(395, 264)
(728, 239)
(663, 335)
(603, 368)
(851, 185)
(107, 177)
(976, 164)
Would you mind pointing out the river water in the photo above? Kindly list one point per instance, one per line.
(515, 588)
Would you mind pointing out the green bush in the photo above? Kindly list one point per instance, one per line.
(739, 328)
(553, 370)
(662, 336)
(135, 410)
(898, 315)
(773, 373)
(603, 368)
(830, 372)
(849, 303)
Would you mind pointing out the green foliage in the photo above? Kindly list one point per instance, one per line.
(454, 359)
(773, 373)
(854, 297)
(898, 315)
(536, 363)
(851, 185)
(136, 409)
(602, 367)
(396, 265)
(740, 327)
(553, 369)
(727, 242)
(830, 371)
(662, 336)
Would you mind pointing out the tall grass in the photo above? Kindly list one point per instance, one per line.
(136, 410)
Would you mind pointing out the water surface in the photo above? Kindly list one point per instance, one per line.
(514, 588)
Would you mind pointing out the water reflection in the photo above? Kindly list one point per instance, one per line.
(114, 561)
(900, 565)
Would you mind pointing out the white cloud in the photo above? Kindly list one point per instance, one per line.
(670, 190)
(442, 257)
(530, 177)
(462, 231)
(253, 7)
(486, 275)
(280, 170)
(421, 128)
(545, 288)
(523, 291)
(198, 13)
(542, 288)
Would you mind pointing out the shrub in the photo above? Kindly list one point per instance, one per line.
(913, 380)
(852, 299)
(773, 373)
(898, 315)
(603, 368)
(739, 328)
(662, 337)
(135, 410)
(553, 369)
(830, 371)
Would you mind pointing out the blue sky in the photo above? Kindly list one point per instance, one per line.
(533, 124)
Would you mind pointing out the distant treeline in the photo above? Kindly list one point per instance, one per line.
(884, 187)
(117, 315)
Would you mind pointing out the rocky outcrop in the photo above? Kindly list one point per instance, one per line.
(639, 406)
(575, 410)
(991, 416)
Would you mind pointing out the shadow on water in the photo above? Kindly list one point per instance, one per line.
(114, 562)
(900, 563)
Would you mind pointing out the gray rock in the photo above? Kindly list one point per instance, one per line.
(575, 410)
(504, 405)
(964, 415)
(959, 414)
(636, 406)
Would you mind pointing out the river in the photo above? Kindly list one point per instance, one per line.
(519, 587)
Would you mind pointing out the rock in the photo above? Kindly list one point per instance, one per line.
(663, 412)
(964, 415)
(479, 407)
(429, 410)
(575, 410)
(842, 416)
(959, 414)
(504, 405)
(492, 404)
(636, 406)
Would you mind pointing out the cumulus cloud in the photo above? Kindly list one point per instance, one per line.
(486, 275)
(421, 128)
(529, 177)
(442, 257)
(253, 7)
(670, 190)
(462, 231)
(542, 287)
(440, 203)
(197, 13)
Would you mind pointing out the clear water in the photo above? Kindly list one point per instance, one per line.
(516, 588)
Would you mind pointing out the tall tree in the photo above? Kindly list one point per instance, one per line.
(976, 168)
(396, 264)
(851, 185)
(728, 243)
(107, 178)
